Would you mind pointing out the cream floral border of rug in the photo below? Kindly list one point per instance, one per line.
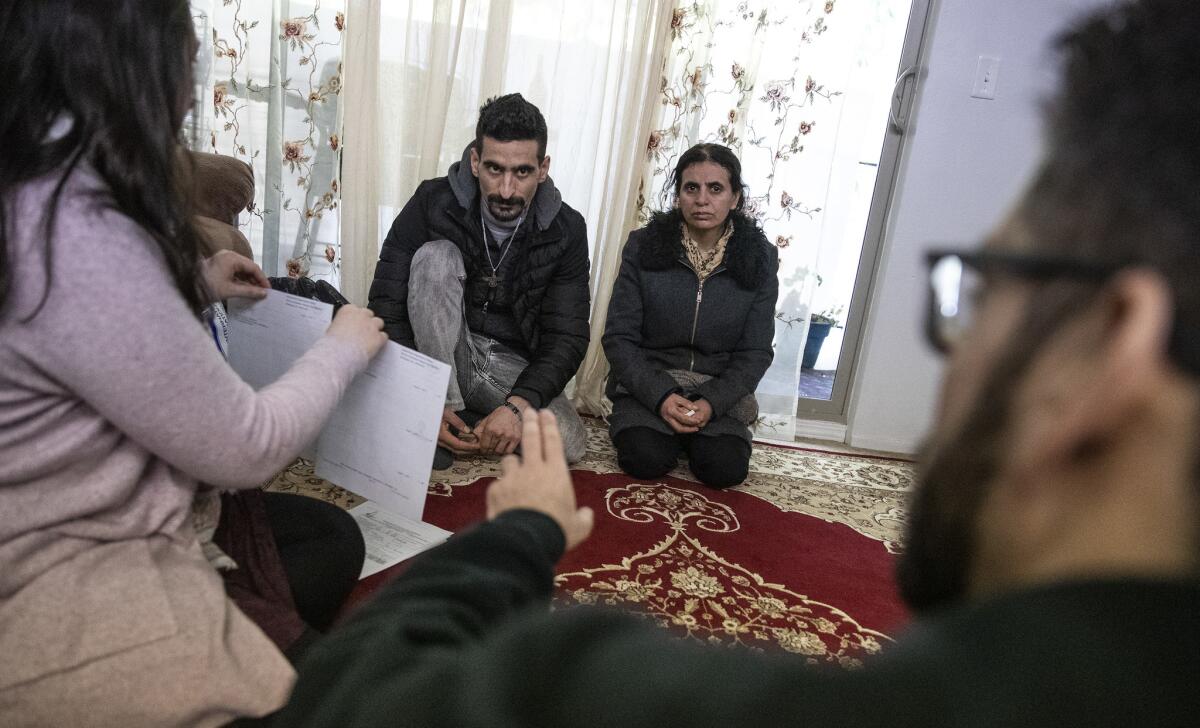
(867, 494)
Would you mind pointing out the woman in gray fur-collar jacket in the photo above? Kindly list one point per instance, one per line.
(690, 328)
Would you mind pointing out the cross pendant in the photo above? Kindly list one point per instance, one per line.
(493, 280)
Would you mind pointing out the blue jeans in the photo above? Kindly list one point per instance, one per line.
(482, 370)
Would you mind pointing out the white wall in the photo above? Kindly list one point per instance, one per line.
(964, 163)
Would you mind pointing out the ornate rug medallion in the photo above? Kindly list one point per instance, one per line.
(686, 587)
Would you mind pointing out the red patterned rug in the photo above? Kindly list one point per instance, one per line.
(799, 557)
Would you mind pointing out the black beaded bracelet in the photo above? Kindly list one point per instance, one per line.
(515, 409)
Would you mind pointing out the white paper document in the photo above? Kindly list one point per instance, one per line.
(390, 538)
(266, 336)
(379, 442)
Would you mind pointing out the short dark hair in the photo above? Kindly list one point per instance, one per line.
(717, 154)
(1120, 183)
(511, 118)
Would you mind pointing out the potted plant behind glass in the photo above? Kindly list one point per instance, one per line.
(819, 326)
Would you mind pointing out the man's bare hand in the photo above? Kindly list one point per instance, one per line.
(450, 441)
(539, 480)
(500, 432)
(674, 411)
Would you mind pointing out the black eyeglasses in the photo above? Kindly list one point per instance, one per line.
(956, 279)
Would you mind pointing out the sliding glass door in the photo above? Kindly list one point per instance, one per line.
(879, 95)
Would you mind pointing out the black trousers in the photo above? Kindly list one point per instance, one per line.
(322, 552)
(717, 461)
(289, 545)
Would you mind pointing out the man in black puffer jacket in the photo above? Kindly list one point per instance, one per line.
(486, 269)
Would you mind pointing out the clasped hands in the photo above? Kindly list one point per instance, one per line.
(685, 416)
(497, 434)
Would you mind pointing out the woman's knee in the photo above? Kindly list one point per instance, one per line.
(720, 464)
(298, 521)
(347, 535)
(645, 454)
(724, 475)
(643, 468)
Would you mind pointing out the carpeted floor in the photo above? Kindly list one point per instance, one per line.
(799, 557)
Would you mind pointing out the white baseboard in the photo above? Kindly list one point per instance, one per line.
(883, 444)
(809, 430)
(820, 430)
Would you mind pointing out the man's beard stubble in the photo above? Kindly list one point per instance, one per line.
(516, 204)
(958, 471)
(956, 475)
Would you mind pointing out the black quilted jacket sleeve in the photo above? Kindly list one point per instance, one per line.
(562, 322)
(389, 290)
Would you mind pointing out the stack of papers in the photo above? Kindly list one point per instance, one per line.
(391, 539)
(380, 440)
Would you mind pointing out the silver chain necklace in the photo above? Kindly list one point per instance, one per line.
(494, 279)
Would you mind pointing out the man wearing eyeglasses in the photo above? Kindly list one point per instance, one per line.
(1053, 544)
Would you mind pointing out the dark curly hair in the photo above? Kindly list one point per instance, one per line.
(1120, 183)
(511, 118)
(717, 154)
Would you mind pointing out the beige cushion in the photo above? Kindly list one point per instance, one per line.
(221, 186)
(216, 236)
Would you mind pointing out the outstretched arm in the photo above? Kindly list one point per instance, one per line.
(145, 363)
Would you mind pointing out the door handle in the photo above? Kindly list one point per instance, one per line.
(898, 98)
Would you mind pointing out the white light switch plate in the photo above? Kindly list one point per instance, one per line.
(987, 75)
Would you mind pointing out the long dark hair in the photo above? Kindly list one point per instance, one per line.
(121, 70)
(718, 154)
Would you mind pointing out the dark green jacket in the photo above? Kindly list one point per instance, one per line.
(463, 639)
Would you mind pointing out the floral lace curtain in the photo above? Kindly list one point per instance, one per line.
(764, 78)
(269, 80)
(418, 71)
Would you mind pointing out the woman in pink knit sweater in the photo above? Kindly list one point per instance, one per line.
(114, 402)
